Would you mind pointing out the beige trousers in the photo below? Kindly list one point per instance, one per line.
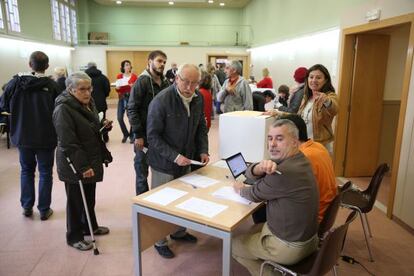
(253, 248)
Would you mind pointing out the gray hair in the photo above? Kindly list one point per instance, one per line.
(91, 64)
(292, 129)
(237, 65)
(188, 65)
(60, 71)
(74, 78)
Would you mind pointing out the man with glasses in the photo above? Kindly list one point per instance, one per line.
(30, 98)
(149, 83)
(177, 133)
(235, 92)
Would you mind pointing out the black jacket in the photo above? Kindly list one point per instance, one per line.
(101, 88)
(258, 101)
(61, 84)
(30, 99)
(78, 138)
(142, 93)
(171, 132)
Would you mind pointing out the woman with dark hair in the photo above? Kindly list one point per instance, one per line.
(205, 91)
(319, 105)
(124, 82)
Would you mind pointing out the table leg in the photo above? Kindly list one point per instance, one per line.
(136, 242)
(227, 254)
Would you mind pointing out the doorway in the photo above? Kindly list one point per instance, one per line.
(373, 89)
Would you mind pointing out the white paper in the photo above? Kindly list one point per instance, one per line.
(199, 181)
(122, 82)
(165, 196)
(193, 162)
(221, 164)
(202, 207)
(144, 149)
(228, 192)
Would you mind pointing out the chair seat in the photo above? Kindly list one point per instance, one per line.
(358, 199)
(304, 266)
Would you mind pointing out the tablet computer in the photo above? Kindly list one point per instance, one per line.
(236, 164)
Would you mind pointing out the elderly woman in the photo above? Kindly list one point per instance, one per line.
(319, 105)
(79, 137)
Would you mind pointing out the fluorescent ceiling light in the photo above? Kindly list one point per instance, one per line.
(119, 2)
(171, 3)
(222, 4)
(210, 1)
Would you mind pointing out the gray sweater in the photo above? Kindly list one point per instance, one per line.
(292, 199)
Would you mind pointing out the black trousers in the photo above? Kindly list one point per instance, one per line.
(76, 222)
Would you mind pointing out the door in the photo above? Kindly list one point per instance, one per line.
(367, 91)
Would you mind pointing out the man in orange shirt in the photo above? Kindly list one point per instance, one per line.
(321, 163)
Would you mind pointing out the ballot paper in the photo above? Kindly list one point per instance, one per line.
(193, 162)
(165, 196)
(198, 181)
(221, 164)
(228, 193)
(202, 207)
(122, 82)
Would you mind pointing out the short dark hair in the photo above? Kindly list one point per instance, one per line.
(123, 65)
(283, 89)
(39, 61)
(300, 124)
(268, 93)
(155, 54)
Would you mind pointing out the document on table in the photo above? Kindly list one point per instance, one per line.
(165, 196)
(198, 181)
(194, 162)
(202, 207)
(221, 164)
(228, 192)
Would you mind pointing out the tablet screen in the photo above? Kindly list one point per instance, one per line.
(236, 164)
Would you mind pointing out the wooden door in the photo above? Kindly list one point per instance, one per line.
(364, 125)
(140, 62)
(113, 63)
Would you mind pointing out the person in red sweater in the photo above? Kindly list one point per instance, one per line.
(124, 82)
(266, 82)
(205, 91)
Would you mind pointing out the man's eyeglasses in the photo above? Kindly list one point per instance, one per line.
(187, 82)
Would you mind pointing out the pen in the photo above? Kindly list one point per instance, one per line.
(278, 172)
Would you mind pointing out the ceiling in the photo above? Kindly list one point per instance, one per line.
(178, 3)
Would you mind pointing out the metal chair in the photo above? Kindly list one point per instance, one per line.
(363, 201)
(321, 261)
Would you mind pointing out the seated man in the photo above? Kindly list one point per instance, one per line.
(321, 162)
(290, 234)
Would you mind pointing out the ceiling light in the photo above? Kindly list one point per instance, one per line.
(222, 4)
(171, 3)
(210, 1)
(119, 2)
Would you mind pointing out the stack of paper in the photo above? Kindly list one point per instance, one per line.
(202, 207)
(199, 181)
(165, 196)
(228, 192)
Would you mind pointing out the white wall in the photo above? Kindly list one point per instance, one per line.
(14, 56)
(284, 57)
(195, 55)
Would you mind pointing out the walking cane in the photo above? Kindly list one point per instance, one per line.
(95, 249)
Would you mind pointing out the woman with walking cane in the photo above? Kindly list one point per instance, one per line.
(80, 143)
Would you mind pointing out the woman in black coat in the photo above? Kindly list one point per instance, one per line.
(79, 137)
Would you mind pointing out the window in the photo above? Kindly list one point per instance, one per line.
(64, 20)
(10, 10)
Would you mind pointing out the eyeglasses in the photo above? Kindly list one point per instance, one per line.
(187, 82)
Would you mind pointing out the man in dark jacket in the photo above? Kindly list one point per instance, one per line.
(101, 88)
(149, 83)
(177, 133)
(30, 98)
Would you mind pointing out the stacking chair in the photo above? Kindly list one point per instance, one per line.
(363, 201)
(329, 216)
(321, 261)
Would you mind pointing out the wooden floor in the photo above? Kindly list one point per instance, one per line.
(29, 246)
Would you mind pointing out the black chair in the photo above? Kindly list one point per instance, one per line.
(329, 216)
(321, 261)
(345, 187)
(363, 201)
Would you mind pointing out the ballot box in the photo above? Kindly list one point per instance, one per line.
(245, 132)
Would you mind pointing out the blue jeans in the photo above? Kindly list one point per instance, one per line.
(122, 104)
(141, 171)
(29, 157)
